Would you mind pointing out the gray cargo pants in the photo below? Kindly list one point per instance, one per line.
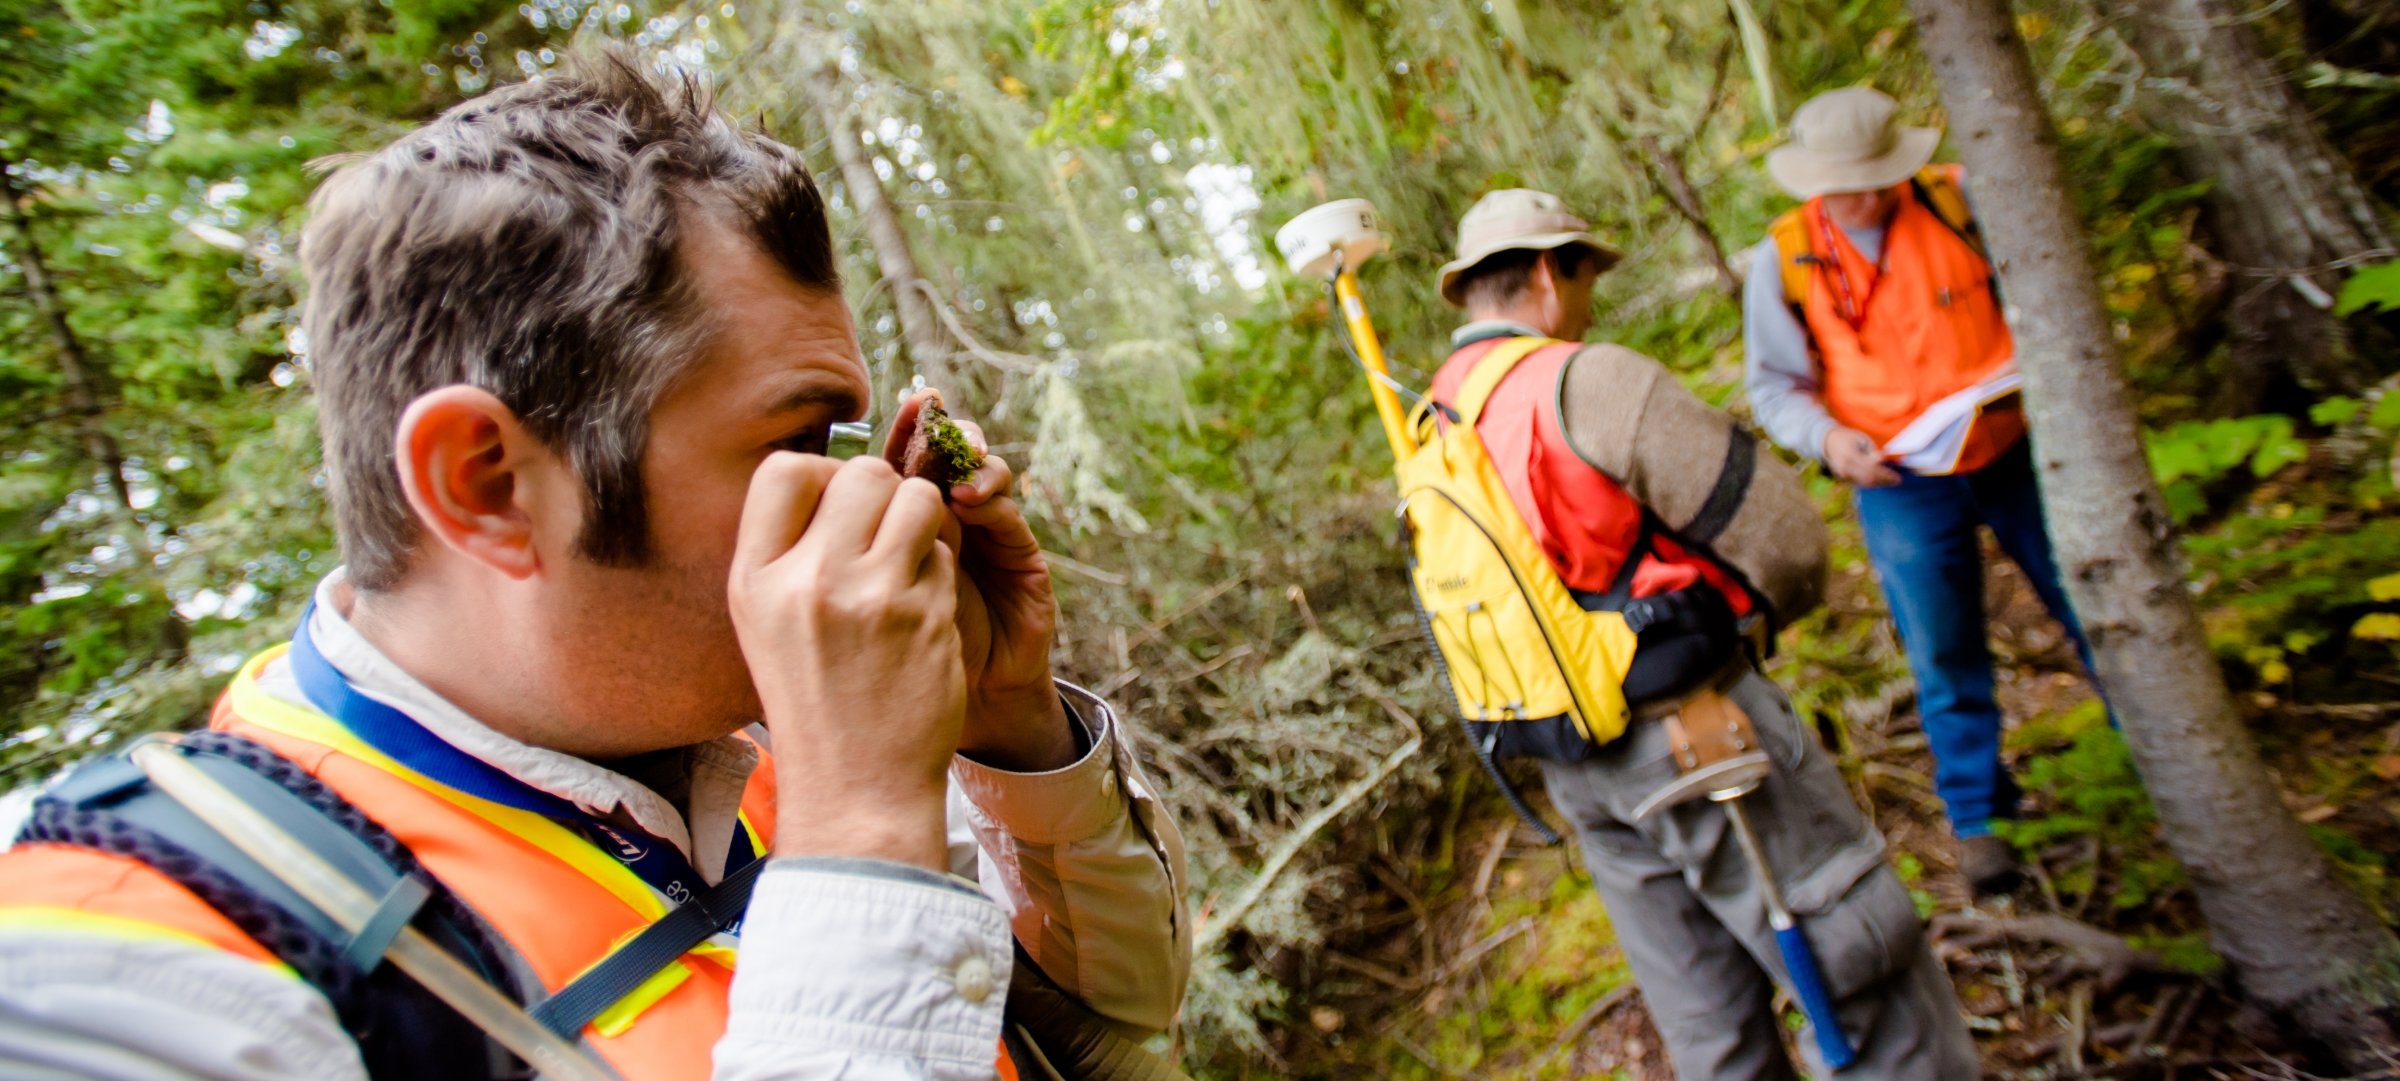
(1689, 917)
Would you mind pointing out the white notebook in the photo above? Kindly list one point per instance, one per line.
(1931, 443)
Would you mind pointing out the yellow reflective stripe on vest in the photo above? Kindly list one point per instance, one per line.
(614, 1020)
(757, 844)
(49, 919)
(254, 705)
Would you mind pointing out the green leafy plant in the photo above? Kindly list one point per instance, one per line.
(2190, 455)
(2090, 790)
(2376, 288)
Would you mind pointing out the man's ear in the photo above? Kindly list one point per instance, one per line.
(479, 483)
(1548, 287)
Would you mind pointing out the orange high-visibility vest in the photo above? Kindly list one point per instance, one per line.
(1894, 339)
(559, 902)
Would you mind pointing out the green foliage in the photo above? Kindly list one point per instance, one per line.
(2374, 288)
(2087, 788)
(2188, 952)
(2190, 455)
(2360, 866)
(1088, 184)
(2286, 596)
(156, 161)
(958, 458)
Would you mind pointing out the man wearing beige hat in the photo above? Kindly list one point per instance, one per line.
(1878, 344)
(1622, 475)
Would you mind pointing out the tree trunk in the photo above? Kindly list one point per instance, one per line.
(2284, 206)
(74, 365)
(2298, 940)
(830, 101)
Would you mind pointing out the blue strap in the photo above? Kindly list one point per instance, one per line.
(401, 738)
(1808, 985)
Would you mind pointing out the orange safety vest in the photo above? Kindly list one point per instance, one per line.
(559, 902)
(1893, 339)
(1585, 521)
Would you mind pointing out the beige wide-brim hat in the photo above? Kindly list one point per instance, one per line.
(1518, 219)
(1850, 140)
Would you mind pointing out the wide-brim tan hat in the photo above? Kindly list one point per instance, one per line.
(1850, 140)
(1518, 219)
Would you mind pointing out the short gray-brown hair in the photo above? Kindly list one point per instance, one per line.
(526, 242)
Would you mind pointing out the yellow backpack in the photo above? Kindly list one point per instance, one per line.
(1534, 673)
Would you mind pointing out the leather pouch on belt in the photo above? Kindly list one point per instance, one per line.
(1709, 728)
(1715, 747)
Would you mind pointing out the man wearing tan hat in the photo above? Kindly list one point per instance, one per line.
(1620, 474)
(1878, 345)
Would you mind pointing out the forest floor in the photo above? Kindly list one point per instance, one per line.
(1473, 951)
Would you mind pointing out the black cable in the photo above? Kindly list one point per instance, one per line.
(1333, 298)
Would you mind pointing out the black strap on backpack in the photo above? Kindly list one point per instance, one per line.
(1969, 232)
(657, 946)
(109, 805)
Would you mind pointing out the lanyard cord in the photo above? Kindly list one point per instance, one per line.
(402, 739)
(1846, 301)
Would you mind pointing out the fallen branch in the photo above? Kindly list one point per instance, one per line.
(1475, 952)
(1371, 970)
(2341, 711)
(1194, 605)
(1214, 931)
(1491, 860)
(1104, 577)
(2087, 950)
(1590, 1016)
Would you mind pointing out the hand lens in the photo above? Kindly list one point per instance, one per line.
(849, 439)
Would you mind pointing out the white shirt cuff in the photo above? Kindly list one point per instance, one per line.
(870, 959)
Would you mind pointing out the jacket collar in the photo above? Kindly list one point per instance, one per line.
(1484, 330)
(711, 774)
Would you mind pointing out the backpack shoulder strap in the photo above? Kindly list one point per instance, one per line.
(1793, 258)
(1940, 189)
(115, 805)
(1490, 369)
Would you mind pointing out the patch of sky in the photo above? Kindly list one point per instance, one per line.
(159, 122)
(235, 603)
(268, 39)
(1226, 201)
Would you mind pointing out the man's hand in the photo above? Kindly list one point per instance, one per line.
(844, 597)
(1006, 617)
(1854, 457)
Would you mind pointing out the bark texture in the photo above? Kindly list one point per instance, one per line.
(81, 378)
(831, 101)
(2297, 939)
(2284, 206)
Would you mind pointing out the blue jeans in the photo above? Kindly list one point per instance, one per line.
(1921, 536)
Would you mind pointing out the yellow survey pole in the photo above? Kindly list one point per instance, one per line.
(1370, 353)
